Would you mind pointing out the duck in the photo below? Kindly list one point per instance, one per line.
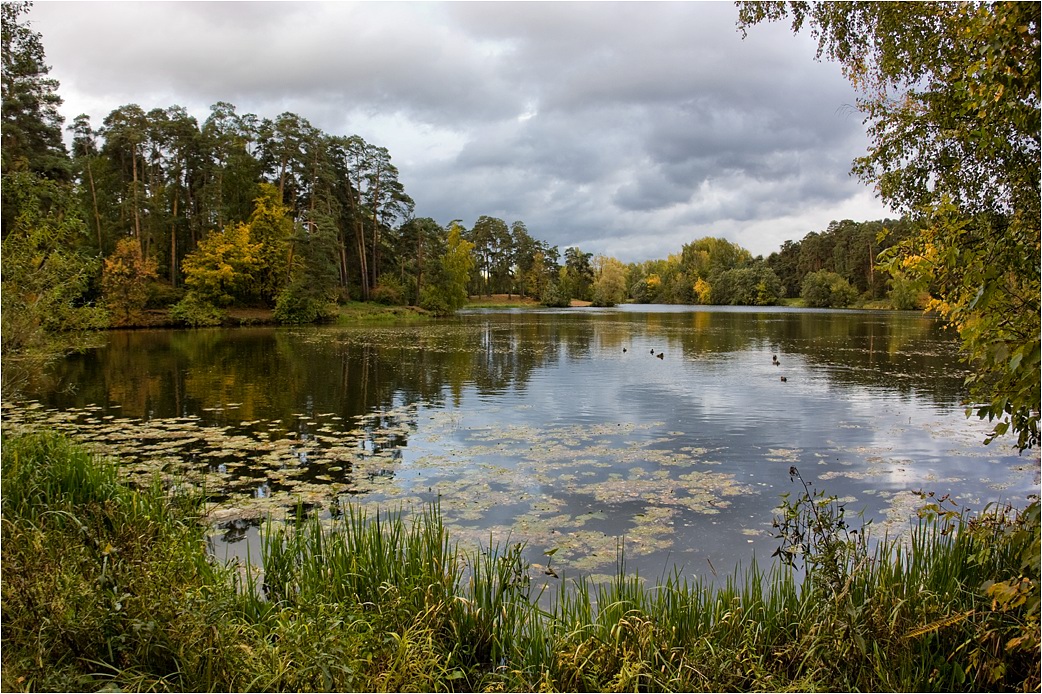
(661, 355)
(652, 350)
(774, 360)
(623, 350)
(783, 379)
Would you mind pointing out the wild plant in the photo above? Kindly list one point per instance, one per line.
(102, 581)
(104, 585)
(817, 539)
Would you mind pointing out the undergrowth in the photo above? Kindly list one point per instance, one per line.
(106, 586)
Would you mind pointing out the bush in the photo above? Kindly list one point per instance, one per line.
(196, 313)
(555, 296)
(432, 299)
(295, 305)
(163, 295)
(388, 291)
(824, 289)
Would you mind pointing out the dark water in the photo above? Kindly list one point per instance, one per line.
(561, 429)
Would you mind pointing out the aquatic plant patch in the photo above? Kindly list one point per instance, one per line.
(576, 489)
(264, 468)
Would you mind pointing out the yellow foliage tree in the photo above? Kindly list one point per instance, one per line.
(272, 228)
(703, 291)
(609, 286)
(225, 267)
(124, 280)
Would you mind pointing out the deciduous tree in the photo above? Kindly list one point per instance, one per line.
(271, 227)
(124, 281)
(224, 268)
(950, 94)
(44, 277)
(447, 290)
(609, 286)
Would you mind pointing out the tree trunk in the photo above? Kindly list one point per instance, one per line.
(342, 247)
(173, 245)
(375, 269)
(419, 263)
(137, 215)
(363, 266)
(94, 201)
(359, 243)
(871, 271)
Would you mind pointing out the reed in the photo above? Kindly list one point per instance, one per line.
(105, 586)
(100, 581)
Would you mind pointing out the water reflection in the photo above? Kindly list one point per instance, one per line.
(559, 428)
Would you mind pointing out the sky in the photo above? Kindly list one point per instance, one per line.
(626, 129)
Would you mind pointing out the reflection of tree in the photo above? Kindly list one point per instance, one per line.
(509, 348)
(136, 371)
(894, 351)
(891, 350)
(269, 373)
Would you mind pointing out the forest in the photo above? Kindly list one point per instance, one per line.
(152, 213)
(151, 210)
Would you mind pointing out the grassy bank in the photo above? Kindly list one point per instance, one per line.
(364, 312)
(107, 586)
(502, 301)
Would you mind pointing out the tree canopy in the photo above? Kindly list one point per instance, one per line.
(32, 124)
(271, 211)
(950, 95)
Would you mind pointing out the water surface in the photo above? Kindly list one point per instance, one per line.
(669, 427)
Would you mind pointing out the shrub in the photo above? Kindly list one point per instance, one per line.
(163, 295)
(433, 299)
(554, 295)
(824, 289)
(296, 305)
(196, 313)
(388, 291)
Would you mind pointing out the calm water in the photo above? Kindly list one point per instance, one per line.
(560, 429)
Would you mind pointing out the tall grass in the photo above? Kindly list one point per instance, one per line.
(99, 580)
(107, 586)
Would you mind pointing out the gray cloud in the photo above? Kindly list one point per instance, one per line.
(625, 128)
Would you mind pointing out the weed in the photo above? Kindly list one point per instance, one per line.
(106, 586)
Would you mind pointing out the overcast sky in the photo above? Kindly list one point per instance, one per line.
(628, 129)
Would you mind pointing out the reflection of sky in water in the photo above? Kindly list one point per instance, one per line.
(868, 441)
(538, 424)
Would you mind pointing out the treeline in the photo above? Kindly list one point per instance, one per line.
(154, 209)
(834, 268)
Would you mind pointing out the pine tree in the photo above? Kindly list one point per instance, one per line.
(32, 126)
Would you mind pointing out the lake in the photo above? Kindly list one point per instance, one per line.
(667, 427)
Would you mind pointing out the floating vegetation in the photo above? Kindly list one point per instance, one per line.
(574, 488)
(248, 472)
(539, 429)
